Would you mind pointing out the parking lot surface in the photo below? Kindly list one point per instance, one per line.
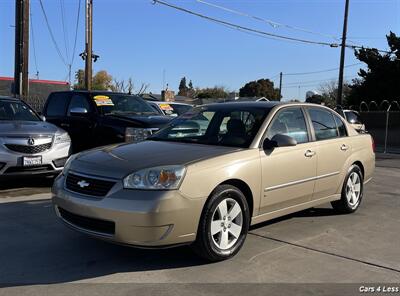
(313, 246)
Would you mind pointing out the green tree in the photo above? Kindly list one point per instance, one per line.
(183, 89)
(100, 81)
(260, 88)
(215, 92)
(381, 80)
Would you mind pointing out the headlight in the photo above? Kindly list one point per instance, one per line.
(68, 163)
(133, 134)
(167, 177)
(63, 138)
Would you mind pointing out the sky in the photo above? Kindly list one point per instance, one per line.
(147, 42)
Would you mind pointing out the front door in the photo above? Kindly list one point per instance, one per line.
(288, 173)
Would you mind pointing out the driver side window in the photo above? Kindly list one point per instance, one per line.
(289, 122)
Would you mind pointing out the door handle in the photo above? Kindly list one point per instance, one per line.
(309, 153)
(64, 124)
(344, 147)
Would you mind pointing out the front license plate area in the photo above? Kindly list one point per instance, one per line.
(31, 161)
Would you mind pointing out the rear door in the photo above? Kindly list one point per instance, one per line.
(333, 150)
(81, 127)
(56, 108)
(288, 173)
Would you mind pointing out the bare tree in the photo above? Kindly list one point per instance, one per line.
(128, 87)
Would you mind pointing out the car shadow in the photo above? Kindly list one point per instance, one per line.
(31, 182)
(312, 212)
(36, 248)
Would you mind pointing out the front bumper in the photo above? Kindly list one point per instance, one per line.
(144, 218)
(53, 160)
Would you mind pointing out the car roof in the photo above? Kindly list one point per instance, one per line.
(103, 92)
(229, 105)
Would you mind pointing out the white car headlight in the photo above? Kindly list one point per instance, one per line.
(165, 177)
(63, 138)
(68, 163)
(133, 134)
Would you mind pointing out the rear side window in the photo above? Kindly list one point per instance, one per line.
(340, 126)
(57, 104)
(289, 122)
(324, 124)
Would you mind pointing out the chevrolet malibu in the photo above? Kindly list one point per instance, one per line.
(213, 172)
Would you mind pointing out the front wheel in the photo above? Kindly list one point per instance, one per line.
(224, 224)
(352, 191)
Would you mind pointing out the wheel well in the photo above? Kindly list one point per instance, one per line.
(360, 166)
(242, 186)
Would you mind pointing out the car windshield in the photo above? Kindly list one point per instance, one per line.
(120, 104)
(174, 109)
(233, 126)
(16, 111)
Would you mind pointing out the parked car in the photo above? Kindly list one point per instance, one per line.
(28, 144)
(170, 108)
(100, 118)
(206, 188)
(353, 117)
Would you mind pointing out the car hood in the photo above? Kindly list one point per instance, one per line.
(27, 128)
(117, 161)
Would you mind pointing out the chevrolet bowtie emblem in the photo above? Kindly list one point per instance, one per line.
(83, 184)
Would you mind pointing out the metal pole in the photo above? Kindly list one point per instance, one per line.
(387, 127)
(342, 55)
(21, 60)
(280, 85)
(88, 44)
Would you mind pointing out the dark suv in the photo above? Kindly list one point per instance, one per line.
(95, 118)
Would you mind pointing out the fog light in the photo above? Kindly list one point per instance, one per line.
(59, 163)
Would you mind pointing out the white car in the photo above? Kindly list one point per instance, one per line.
(29, 145)
(353, 117)
(170, 108)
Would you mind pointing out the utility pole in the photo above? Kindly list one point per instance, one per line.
(342, 55)
(21, 61)
(280, 85)
(88, 44)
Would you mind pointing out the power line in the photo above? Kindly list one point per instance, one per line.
(76, 32)
(64, 28)
(240, 27)
(319, 80)
(51, 34)
(33, 44)
(273, 24)
(320, 71)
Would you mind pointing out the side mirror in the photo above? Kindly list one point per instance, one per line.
(78, 111)
(42, 117)
(279, 140)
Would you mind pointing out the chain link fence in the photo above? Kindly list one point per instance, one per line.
(382, 121)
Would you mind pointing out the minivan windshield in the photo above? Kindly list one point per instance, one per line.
(16, 111)
(233, 126)
(120, 104)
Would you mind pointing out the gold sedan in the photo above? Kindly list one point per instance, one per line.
(213, 172)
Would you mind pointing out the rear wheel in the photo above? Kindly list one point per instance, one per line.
(352, 191)
(224, 224)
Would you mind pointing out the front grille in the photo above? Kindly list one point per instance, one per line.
(88, 186)
(30, 169)
(28, 149)
(91, 224)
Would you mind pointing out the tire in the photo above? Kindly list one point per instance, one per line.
(352, 192)
(218, 235)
